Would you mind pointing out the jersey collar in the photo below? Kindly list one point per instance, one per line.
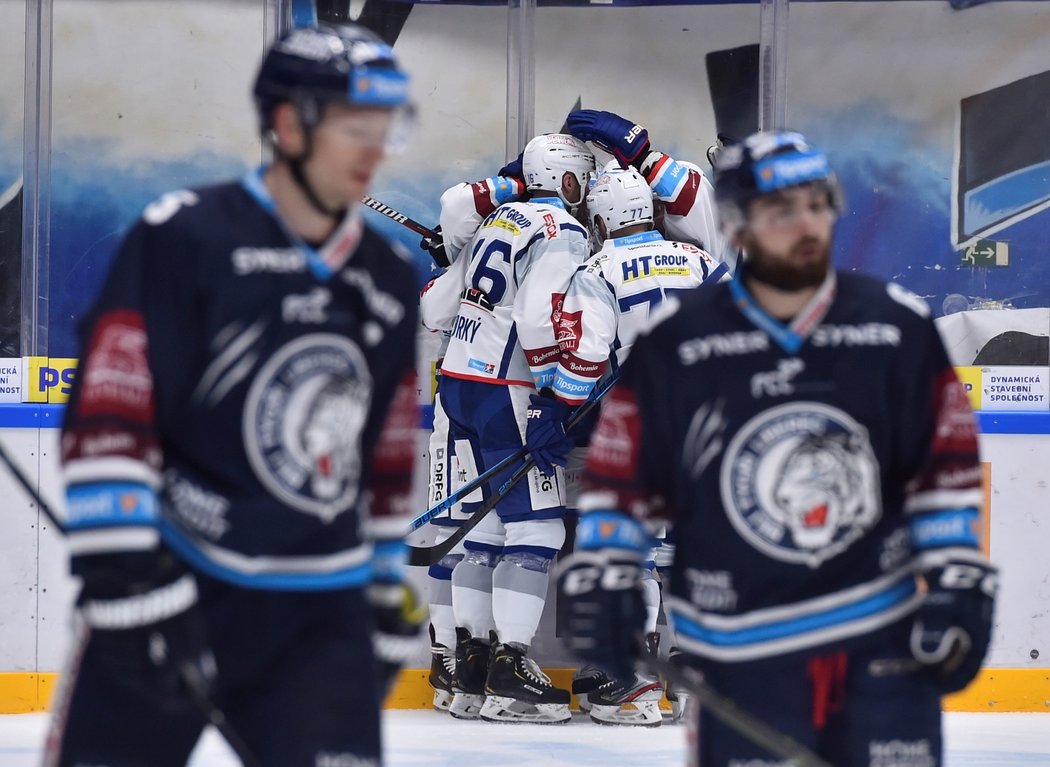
(636, 239)
(555, 201)
(791, 336)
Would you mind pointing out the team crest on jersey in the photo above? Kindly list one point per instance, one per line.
(303, 420)
(800, 482)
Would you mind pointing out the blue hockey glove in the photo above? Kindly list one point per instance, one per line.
(953, 625)
(545, 435)
(400, 620)
(623, 139)
(513, 169)
(601, 609)
(436, 249)
(153, 637)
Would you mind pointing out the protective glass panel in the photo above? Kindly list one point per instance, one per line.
(935, 117)
(12, 96)
(147, 97)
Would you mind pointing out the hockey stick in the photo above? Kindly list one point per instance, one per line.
(424, 556)
(442, 506)
(196, 686)
(730, 714)
(401, 218)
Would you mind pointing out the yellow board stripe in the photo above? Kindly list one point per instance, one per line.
(995, 689)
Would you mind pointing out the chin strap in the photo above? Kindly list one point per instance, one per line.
(299, 174)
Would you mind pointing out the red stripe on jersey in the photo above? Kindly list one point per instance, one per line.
(613, 464)
(654, 172)
(683, 203)
(582, 368)
(542, 356)
(115, 378)
(395, 453)
(953, 461)
(483, 198)
(482, 379)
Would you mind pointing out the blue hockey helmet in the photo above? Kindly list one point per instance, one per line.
(314, 66)
(762, 164)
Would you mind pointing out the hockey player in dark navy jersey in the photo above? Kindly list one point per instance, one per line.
(238, 446)
(805, 435)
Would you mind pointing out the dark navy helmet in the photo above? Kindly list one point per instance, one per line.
(764, 163)
(314, 66)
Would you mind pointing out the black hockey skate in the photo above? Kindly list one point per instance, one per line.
(678, 698)
(442, 669)
(584, 682)
(468, 682)
(518, 691)
(634, 701)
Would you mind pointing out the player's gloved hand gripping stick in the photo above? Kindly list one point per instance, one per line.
(170, 654)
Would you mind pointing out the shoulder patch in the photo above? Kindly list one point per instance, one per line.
(905, 297)
(166, 206)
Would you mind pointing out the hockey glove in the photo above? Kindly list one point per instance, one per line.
(400, 620)
(623, 139)
(436, 249)
(153, 639)
(601, 609)
(545, 435)
(513, 169)
(953, 625)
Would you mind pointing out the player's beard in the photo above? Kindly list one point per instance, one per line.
(782, 273)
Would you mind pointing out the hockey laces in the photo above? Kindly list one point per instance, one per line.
(535, 672)
(448, 659)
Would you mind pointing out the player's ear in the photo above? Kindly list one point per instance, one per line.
(288, 130)
(570, 187)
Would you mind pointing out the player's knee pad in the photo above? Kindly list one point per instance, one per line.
(528, 560)
(541, 536)
(481, 557)
(442, 570)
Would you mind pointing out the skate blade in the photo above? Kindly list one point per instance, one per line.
(638, 714)
(585, 705)
(678, 707)
(513, 711)
(442, 700)
(466, 706)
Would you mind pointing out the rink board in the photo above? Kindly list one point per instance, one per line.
(35, 605)
(995, 690)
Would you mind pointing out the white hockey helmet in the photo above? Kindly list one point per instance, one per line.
(620, 198)
(548, 157)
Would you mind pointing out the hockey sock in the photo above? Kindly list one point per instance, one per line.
(519, 590)
(651, 596)
(442, 617)
(472, 591)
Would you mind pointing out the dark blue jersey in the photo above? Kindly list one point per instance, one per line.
(244, 397)
(808, 470)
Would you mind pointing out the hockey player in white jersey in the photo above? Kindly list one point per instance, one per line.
(606, 306)
(682, 187)
(463, 208)
(503, 346)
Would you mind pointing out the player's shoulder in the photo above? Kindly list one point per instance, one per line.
(876, 299)
(196, 206)
(184, 223)
(387, 260)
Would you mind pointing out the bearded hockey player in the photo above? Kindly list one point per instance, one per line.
(502, 346)
(608, 303)
(238, 445)
(804, 433)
